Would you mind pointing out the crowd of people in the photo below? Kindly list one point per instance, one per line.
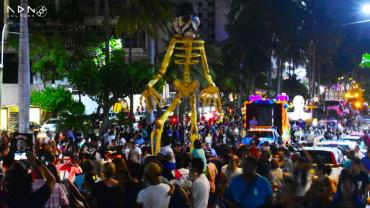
(119, 170)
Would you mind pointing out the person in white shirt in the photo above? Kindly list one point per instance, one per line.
(167, 153)
(208, 138)
(157, 194)
(133, 153)
(200, 187)
(277, 175)
(232, 168)
(358, 152)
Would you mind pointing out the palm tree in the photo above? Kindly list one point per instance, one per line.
(324, 40)
(135, 16)
(259, 29)
(24, 72)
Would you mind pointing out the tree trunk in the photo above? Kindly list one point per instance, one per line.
(197, 102)
(151, 54)
(156, 49)
(132, 116)
(278, 77)
(105, 118)
(107, 30)
(270, 76)
(24, 72)
(313, 69)
(151, 50)
(248, 89)
(130, 50)
(79, 96)
(253, 86)
(317, 84)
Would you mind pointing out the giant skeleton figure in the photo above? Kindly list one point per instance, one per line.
(188, 49)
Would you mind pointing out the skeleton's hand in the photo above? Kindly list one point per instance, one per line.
(211, 94)
(151, 97)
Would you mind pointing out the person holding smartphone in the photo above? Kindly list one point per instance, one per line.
(18, 184)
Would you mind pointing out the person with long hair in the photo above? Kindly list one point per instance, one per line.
(108, 192)
(198, 152)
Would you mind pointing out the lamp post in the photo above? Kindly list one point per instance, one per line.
(2, 65)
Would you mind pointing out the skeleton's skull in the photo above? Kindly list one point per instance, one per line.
(187, 26)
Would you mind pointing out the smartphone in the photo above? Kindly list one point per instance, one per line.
(20, 156)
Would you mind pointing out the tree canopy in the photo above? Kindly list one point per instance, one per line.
(107, 82)
(55, 100)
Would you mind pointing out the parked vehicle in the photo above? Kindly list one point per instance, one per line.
(329, 156)
(342, 144)
(50, 125)
(352, 138)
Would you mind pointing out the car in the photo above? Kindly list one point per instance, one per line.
(113, 116)
(331, 156)
(263, 133)
(327, 155)
(50, 125)
(366, 120)
(139, 115)
(345, 145)
(353, 138)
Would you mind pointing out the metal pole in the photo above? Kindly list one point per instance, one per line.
(2, 46)
(1, 67)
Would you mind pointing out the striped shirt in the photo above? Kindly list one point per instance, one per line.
(58, 197)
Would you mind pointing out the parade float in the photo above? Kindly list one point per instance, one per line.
(354, 96)
(269, 114)
(187, 49)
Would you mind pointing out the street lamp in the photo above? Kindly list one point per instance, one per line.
(2, 47)
(366, 9)
(2, 65)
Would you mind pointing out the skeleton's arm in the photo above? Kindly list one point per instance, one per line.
(211, 92)
(206, 73)
(150, 95)
(165, 63)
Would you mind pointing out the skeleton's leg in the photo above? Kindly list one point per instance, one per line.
(194, 124)
(157, 133)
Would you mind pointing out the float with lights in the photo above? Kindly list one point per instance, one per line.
(269, 113)
(354, 96)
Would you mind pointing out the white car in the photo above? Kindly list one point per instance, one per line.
(50, 125)
(345, 145)
(328, 155)
(353, 138)
(139, 115)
